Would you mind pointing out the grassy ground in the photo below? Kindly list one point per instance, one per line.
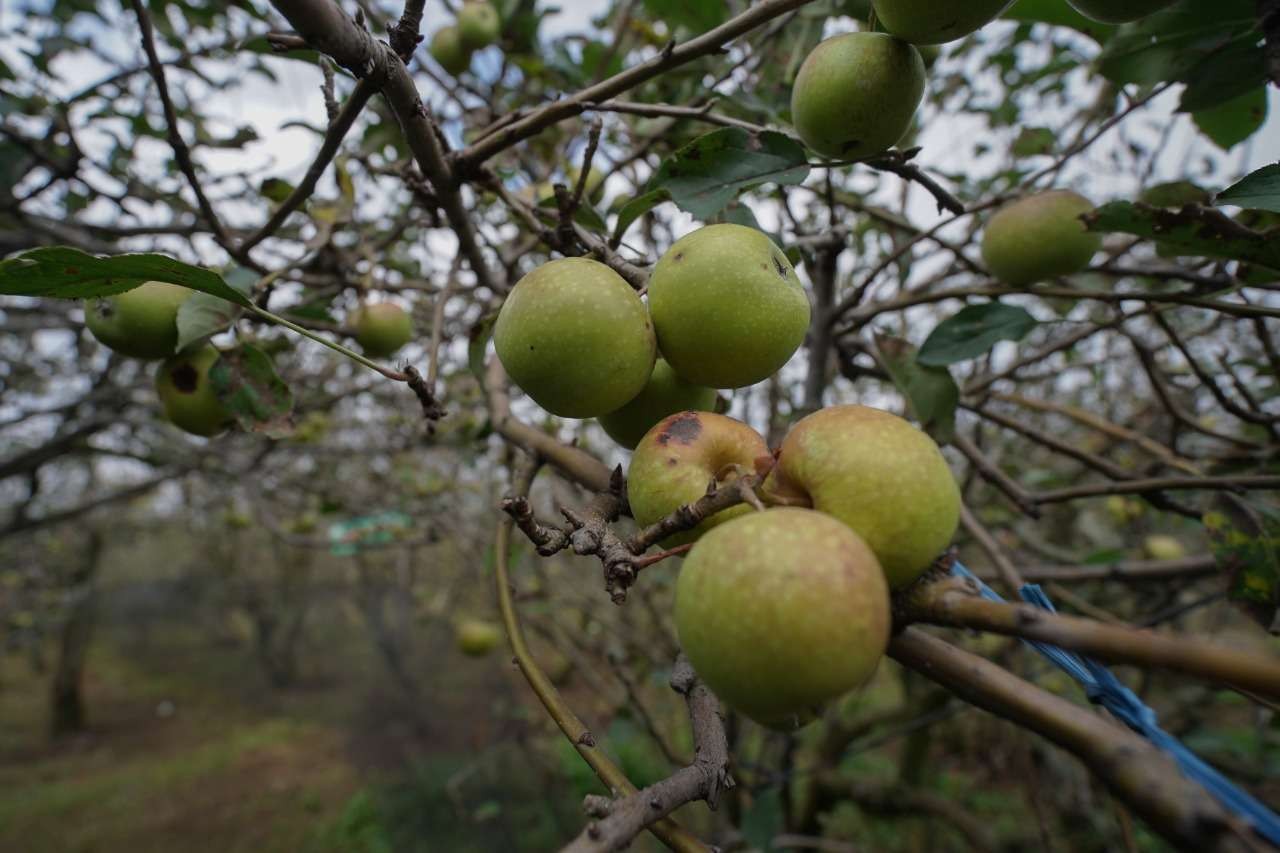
(188, 749)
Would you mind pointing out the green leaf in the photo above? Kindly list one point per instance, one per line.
(696, 16)
(633, 210)
(1225, 76)
(1245, 538)
(930, 391)
(1196, 231)
(585, 215)
(275, 189)
(1232, 122)
(763, 819)
(1169, 44)
(1034, 140)
(713, 169)
(203, 315)
(1258, 190)
(1058, 14)
(246, 383)
(972, 331)
(72, 274)
(478, 342)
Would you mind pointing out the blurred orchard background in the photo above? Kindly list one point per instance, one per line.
(195, 655)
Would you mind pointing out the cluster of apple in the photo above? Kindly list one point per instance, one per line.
(477, 26)
(857, 94)
(142, 323)
(725, 309)
(782, 610)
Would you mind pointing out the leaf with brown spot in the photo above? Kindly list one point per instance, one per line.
(247, 384)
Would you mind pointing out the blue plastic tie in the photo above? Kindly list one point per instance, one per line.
(1103, 688)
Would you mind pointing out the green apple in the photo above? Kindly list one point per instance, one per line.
(187, 394)
(447, 49)
(476, 638)
(1161, 546)
(576, 338)
(1123, 510)
(1117, 11)
(142, 323)
(727, 305)
(782, 611)
(664, 394)
(936, 21)
(1038, 237)
(382, 328)
(878, 474)
(676, 460)
(856, 93)
(478, 24)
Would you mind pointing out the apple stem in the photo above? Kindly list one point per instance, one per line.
(351, 354)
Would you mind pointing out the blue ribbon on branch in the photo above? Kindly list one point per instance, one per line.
(1103, 688)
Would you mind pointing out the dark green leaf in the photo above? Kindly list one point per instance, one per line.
(1169, 44)
(1230, 123)
(275, 189)
(709, 172)
(1222, 77)
(1259, 190)
(478, 342)
(201, 316)
(633, 210)
(1059, 14)
(72, 274)
(696, 16)
(247, 384)
(1032, 141)
(974, 330)
(1245, 537)
(585, 215)
(1190, 231)
(930, 391)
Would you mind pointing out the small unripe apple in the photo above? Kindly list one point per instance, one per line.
(1161, 546)
(878, 474)
(187, 394)
(382, 328)
(664, 394)
(782, 611)
(1038, 237)
(478, 24)
(1123, 510)
(1118, 11)
(576, 338)
(855, 94)
(727, 305)
(141, 323)
(448, 50)
(476, 637)
(936, 21)
(676, 460)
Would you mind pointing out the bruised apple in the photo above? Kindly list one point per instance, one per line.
(676, 460)
(664, 394)
(187, 393)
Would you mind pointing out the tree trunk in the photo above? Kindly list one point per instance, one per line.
(67, 709)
